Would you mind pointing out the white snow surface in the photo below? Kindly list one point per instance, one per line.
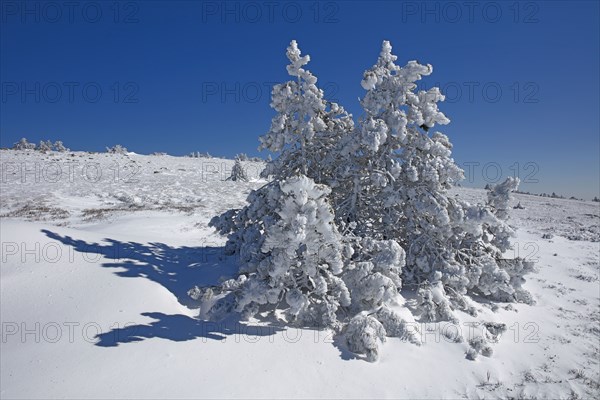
(95, 273)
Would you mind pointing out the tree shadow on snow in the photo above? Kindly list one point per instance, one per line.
(181, 328)
(175, 268)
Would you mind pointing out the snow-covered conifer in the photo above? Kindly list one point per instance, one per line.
(116, 149)
(397, 188)
(45, 146)
(485, 236)
(352, 212)
(306, 126)
(499, 197)
(402, 190)
(498, 201)
(290, 253)
(60, 147)
(23, 144)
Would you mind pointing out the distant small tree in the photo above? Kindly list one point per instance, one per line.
(45, 146)
(238, 173)
(23, 144)
(59, 146)
(116, 149)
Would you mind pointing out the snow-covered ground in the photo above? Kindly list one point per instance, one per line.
(99, 251)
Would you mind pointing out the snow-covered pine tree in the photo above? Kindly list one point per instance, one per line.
(498, 201)
(510, 272)
(45, 146)
(302, 134)
(238, 173)
(308, 133)
(60, 147)
(116, 149)
(388, 183)
(290, 253)
(306, 126)
(285, 239)
(399, 175)
(402, 171)
(23, 144)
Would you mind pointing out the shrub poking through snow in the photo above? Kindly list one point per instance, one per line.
(353, 212)
(363, 336)
(479, 345)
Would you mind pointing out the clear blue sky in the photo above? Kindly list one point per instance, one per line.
(522, 78)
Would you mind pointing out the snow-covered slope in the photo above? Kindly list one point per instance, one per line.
(97, 260)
